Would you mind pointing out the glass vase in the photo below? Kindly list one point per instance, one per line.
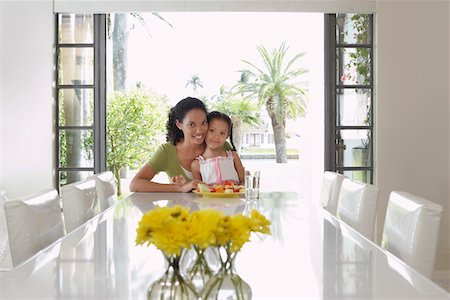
(226, 284)
(198, 265)
(172, 286)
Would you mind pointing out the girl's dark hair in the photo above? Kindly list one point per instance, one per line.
(218, 115)
(178, 112)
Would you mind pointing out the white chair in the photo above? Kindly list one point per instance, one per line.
(106, 189)
(411, 230)
(79, 202)
(331, 186)
(358, 205)
(33, 223)
(5, 254)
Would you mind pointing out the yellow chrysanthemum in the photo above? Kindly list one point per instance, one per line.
(222, 231)
(202, 227)
(239, 232)
(172, 229)
(166, 228)
(259, 223)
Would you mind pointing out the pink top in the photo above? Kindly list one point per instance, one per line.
(218, 169)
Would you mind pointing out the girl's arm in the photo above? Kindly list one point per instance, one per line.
(238, 166)
(141, 182)
(195, 169)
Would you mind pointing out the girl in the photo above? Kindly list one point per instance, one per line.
(216, 165)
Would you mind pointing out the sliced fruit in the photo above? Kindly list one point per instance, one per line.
(203, 188)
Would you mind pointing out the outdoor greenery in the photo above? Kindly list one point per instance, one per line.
(276, 86)
(359, 63)
(135, 123)
(358, 70)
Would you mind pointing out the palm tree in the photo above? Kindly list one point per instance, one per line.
(119, 36)
(276, 88)
(195, 82)
(240, 109)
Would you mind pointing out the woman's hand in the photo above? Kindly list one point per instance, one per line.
(191, 185)
(179, 180)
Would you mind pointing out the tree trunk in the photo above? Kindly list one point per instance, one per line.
(237, 132)
(120, 55)
(279, 136)
(117, 175)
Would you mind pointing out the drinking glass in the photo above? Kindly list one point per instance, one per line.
(252, 185)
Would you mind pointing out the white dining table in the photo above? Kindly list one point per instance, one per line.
(309, 255)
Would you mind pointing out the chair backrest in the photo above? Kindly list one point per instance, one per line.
(331, 186)
(34, 222)
(411, 230)
(106, 189)
(357, 206)
(5, 253)
(79, 202)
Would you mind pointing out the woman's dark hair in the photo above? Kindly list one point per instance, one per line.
(178, 112)
(218, 115)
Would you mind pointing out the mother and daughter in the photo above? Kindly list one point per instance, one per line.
(196, 151)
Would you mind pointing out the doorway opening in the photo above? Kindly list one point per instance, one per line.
(208, 55)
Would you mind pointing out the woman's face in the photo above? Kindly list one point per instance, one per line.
(217, 133)
(194, 126)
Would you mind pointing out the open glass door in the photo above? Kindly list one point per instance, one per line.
(80, 94)
(349, 95)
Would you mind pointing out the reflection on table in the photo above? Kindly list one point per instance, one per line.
(310, 255)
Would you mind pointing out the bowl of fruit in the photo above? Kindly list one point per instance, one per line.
(227, 189)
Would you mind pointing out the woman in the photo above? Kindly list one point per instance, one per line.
(186, 130)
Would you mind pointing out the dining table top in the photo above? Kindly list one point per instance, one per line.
(309, 255)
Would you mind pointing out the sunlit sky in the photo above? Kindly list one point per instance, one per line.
(213, 46)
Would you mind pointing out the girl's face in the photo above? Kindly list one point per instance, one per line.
(194, 126)
(217, 133)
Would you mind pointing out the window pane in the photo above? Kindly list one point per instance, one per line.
(357, 148)
(353, 29)
(76, 107)
(354, 107)
(66, 177)
(353, 66)
(76, 148)
(76, 66)
(76, 28)
(363, 176)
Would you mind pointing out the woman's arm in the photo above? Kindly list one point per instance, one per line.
(239, 167)
(141, 182)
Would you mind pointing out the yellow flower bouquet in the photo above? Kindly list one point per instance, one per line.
(231, 233)
(174, 230)
(166, 228)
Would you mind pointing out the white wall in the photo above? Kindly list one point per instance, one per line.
(1, 95)
(413, 104)
(413, 95)
(99, 6)
(26, 94)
